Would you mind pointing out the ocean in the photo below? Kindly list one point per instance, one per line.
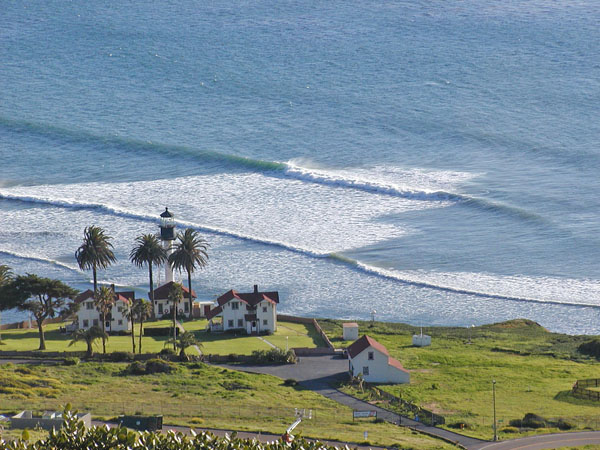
(428, 162)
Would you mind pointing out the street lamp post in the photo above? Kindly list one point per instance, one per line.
(494, 400)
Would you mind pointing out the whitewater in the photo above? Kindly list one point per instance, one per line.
(433, 162)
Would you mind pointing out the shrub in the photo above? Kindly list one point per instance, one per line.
(167, 352)
(159, 366)
(274, 355)
(122, 356)
(509, 430)
(71, 361)
(562, 424)
(533, 421)
(136, 368)
(290, 382)
(591, 348)
(197, 421)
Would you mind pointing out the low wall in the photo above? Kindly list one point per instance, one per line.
(25, 324)
(319, 351)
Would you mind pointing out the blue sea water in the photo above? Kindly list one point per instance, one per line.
(435, 161)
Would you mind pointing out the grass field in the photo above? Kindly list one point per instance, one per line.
(534, 371)
(290, 334)
(196, 395)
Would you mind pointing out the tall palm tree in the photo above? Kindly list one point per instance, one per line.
(95, 251)
(143, 310)
(6, 276)
(148, 251)
(190, 254)
(185, 340)
(175, 296)
(89, 336)
(104, 300)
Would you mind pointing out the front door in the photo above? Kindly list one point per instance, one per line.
(160, 309)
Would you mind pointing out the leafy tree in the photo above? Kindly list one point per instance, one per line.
(95, 251)
(104, 301)
(43, 297)
(89, 336)
(148, 251)
(190, 254)
(143, 310)
(175, 296)
(6, 278)
(185, 340)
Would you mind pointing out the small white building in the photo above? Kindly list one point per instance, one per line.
(162, 305)
(254, 312)
(88, 316)
(368, 357)
(350, 331)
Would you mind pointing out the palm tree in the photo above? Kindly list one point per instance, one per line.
(6, 276)
(143, 310)
(185, 340)
(175, 296)
(190, 254)
(89, 336)
(104, 301)
(148, 251)
(95, 251)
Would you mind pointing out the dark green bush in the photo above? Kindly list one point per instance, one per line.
(159, 366)
(509, 430)
(71, 361)
(591, 348)
(167, 352)
(562, 424)
(274, 356)
(122, 356)
(290, 382)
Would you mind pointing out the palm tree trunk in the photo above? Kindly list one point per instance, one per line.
(95, 280)
(90, 349)
(190, 288)
(132, 333)
(103, 328)
(151, 287)
(174, 308)
(40, 324)
(141, 332)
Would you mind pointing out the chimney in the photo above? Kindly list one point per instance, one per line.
(112, 286)
(256, 288)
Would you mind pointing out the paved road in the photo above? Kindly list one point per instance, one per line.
(545, 441)
(317, 373)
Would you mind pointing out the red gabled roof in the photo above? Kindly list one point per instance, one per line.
(84, 296)
(213, 312)
(162, 292)
(363, 343)
(395, 363)
(250, 298)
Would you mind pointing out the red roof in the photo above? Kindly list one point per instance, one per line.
(250, 298)
(362, 344)
(84, 296)
(395, 363)
(162, 292)
(125, 297)
(213, 312)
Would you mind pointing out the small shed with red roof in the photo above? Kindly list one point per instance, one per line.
(368, 357)
(254, 312)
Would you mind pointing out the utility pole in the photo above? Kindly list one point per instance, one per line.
(494, 400)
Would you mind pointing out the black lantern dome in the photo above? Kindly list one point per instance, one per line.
(167, 226)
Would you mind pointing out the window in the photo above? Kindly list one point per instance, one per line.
(371, 356)
(265, 322)
(235, 305)
(120, 309)
(95, 322)
(186, 307)
(120, 322)
(230, 323)
(366, 370)
(89, 305)
(107, 324)
(240, 323)
(264, 309)
(86, 323)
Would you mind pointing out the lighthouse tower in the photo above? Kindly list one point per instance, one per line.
(167, 236)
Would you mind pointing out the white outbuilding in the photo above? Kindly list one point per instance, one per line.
(368, 357)
(350, 331)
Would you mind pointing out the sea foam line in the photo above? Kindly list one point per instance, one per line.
(40, 259)
(357, 265)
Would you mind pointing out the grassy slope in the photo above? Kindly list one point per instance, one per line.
(534, 371)
(197, 394)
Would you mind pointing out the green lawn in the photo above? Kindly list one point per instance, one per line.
(534, 372)
(196, 395)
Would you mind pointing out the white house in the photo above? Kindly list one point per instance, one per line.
(162, 304)
(350, 331)
(254, 312)
(368, 357)
(88, 316)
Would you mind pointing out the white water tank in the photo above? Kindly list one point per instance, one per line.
(421, 340)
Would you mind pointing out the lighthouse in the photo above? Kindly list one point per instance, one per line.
(167, 236)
